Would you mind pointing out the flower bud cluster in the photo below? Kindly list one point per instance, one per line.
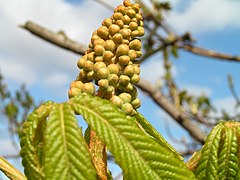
(111, 59)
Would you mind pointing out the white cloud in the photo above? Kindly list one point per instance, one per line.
(206, 15)
(227, 104)
(153, 70)
(57, 80)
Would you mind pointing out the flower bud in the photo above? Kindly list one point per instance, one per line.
(129, 70)
(98, 59)
(89, 88)
(128, 88)
(136, 7)
(113, 29)
(127, 3)
(102, 73)
(107, 56)
(135, 79)
(88, 65)
(117, 16)
(136, 103)
(113, 79)
(133, 26)
(120, 23)
(127, 108)
(131, 13)
(134, 93)
(117, 38)
(136, 69)
(124, 60)
(113, 69)
(132, 54)
(81, 62)
(103, 32)
(122, 50)
(116, 101)
(90, 56)
(74, 92)
(139, 54)
(126, 19)
(98, 42)
(99, 50)
(109, 45)
(103, 83)
(107, 22)
(124, 80)
(110, 89)
(125, 97)
(140, 31)
(126, 33)
(98, 65)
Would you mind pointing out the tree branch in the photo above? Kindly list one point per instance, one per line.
(59, 39)
(182, 118)
(209, 53)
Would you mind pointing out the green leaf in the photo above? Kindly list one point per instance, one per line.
(31, 141)
(10, 171)
(208, 164)
(228, 155)
(66, 152)
(139, 156)
(152, 132)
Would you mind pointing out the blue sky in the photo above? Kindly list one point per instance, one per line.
(48, 70)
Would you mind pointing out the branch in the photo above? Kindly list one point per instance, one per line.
(105, 4)
(59, 39)
(209, 53)
(182, 118)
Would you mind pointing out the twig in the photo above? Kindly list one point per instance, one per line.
(209, 53)
(182, 118)
(58, 39)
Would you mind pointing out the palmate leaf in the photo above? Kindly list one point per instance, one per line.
(66, 153)
(31, 141)
(152, 132)
(139, 156)
(208, 165)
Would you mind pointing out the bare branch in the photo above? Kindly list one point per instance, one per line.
(59, 39)
(209, 53)
(182, 118)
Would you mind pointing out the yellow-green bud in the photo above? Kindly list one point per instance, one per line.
(91, 56)
(131, 13)
(113, 79)
(125, 97)
(132, 54)
(99, 50)
(128, 88)
(120, 23)
(140, 31)
(117, 16)
(98, 65)
(83, 74)
(73, 92)
(127, 108)
(135, 44)
(117, 38)
(113, 69)
(88, 88)
(139, 54)
(98, 59)
(135, 79)
(141, 23)
(94, 38)
(81, 63)
(121, 8)
(126, 19)
(103, 32)
(136, 69)
(136, 103)
(102, 73)
(109, 45)
(103, 83)
(124, 60)
(117, 101)
(126, 33)
(76, 84)
(89, 75)
(107, 22)
(134, 34)
(124, 80)
(98, 42)
(136, 7)
(129, 70)
(139, 17)
(88, 65)
(113, 29)
(127, 3)
(110, 89)
(107, 56)
(122, 49)
(133, 26)
(134, 93)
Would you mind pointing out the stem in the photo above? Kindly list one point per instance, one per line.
(99, 155)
